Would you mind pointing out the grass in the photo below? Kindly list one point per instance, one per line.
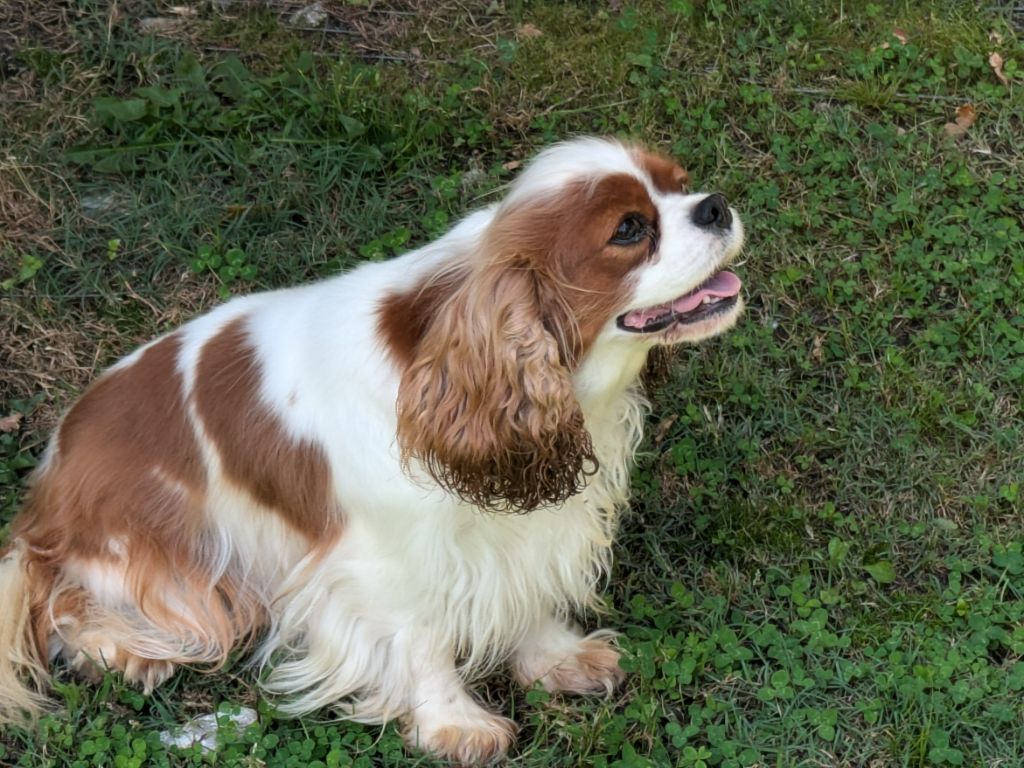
(825, 562)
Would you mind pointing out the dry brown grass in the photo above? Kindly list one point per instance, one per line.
(413, 31)
(31, 23)
(28, 211)
(49, 353)
(57, 351)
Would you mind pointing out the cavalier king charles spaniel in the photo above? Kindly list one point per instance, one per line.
(387, 483)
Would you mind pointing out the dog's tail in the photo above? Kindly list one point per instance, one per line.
(23, 675)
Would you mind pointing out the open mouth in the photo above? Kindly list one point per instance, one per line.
(715, 296)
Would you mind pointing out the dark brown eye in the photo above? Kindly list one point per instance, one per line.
(631, 230)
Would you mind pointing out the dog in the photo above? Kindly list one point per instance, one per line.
(386, 483)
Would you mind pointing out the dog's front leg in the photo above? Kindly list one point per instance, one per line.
(444, 718)
(564, 660)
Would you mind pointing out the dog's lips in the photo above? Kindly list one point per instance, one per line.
(717, 292)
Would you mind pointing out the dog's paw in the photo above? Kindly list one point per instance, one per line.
(147, 673)
(474, 740)
(591, 666)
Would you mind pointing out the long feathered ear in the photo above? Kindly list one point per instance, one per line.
(487, 403)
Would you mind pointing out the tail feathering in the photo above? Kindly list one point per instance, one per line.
(23, 676)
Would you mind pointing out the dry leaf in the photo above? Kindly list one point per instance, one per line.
(183, 10)
(900, 35)
(159, 25)
(511, 165)
(663, 427)
(10, 423)
(996, 62)
(311, 16)
(953, 130)
(965, 117)
(816, 354)
(527, 32)
(995, 37)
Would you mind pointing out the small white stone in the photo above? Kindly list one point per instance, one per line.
(202, 730)
(311, 16)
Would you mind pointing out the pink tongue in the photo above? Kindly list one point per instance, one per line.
(719, 285)
(722, 284)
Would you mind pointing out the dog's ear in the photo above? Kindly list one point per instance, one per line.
(487, 403)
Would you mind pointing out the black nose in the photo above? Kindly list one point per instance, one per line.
(712, 211)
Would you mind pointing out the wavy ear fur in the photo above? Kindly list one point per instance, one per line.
(487, 404)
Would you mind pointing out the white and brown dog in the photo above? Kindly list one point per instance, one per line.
(390, 481)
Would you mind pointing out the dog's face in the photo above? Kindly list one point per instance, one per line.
(630, 251)
(683, 293)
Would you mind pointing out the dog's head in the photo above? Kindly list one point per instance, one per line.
(597, 246)
(632, 251)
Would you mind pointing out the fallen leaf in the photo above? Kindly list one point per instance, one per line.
(511, 165)
(996, 62)
(995, 37)
(816, 348)
(311, 16)
(159, 25)
(528, 32)
(663, 427)
(10, 423)
(965, 117)
(953, 131)
(900, 35)
(183, 10)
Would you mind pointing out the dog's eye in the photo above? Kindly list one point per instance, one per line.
(631, 230)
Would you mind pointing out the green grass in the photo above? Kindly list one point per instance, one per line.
(825, 563)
